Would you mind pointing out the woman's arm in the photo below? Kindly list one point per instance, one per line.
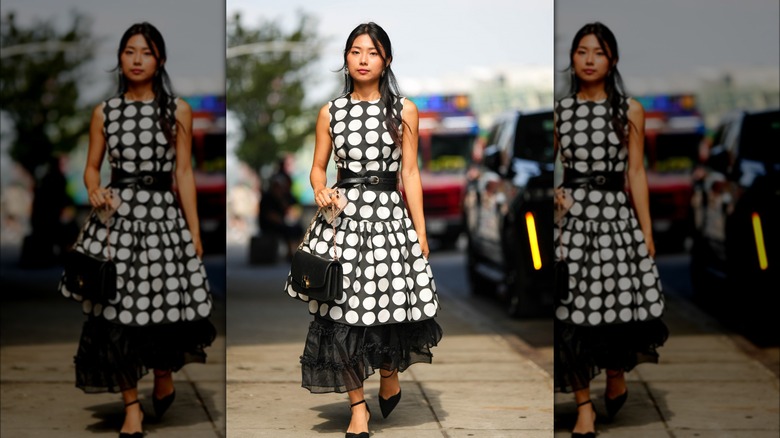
(323, 146)
(97, 148)
(185, 179)
(637, 177)
(410, 173)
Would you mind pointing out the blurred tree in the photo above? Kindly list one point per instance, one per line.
(39, 73)
(39, 76)
(266, 72)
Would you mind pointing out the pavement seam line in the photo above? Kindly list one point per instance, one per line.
(657, 409)
(430, 406)
(203, 404)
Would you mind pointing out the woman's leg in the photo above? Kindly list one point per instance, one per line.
(133, 414)
(389, 384)
(163, 383)
(360, 415)
(586, 415)
(616, 383)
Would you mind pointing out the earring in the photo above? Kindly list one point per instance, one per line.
(382, 74)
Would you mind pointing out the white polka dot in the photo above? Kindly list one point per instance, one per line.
(399, 315)
(351, 317)
(368, 318)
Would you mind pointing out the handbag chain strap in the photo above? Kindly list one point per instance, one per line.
(86, 225)
(311, 226)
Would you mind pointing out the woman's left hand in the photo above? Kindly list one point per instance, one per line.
(424, 245)
(650, 245)
(198, 245)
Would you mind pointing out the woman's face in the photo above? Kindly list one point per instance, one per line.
(590, 62)
(138, 61)
(364, 61)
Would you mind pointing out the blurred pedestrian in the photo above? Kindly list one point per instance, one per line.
(159, 319)
(384, 319)
(275, 214)
(608, 318)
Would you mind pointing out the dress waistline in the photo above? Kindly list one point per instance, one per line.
(374, 180)
(610, 181)
(142, 180)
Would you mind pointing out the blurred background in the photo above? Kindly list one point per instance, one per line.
(57, 58)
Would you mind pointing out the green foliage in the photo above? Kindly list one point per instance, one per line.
(266, 72)
(39, 73)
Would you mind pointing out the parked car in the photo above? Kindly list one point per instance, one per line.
(508, 214)
(735, 259)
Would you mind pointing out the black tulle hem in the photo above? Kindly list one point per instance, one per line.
(113, 357)
(582, 352)
(339, 358)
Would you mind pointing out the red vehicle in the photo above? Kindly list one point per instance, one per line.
(208, 155)
(674, 129)
(448, 129)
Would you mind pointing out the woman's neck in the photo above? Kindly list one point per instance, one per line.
(366, 92)
(141, 92)
(592, 91)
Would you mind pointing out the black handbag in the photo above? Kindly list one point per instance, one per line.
(92, 277)
(317, 277)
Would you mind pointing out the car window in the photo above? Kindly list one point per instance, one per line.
(760, 136)
(533, 139)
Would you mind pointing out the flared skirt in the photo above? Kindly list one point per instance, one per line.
(114, 357)
(339, 357)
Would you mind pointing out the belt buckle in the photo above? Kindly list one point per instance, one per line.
(599, 180)
(373, 179)
(147, 180)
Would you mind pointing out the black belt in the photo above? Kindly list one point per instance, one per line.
(142, 180)
(379, 181)
(611, 181)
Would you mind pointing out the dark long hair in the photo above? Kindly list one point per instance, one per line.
(388, 85)
(161, 82)
(613, 83)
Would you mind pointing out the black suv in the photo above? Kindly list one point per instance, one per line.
(736, 252)
(508, 214)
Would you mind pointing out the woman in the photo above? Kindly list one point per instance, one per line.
(384, 318)
(159, 317)
(609, 315)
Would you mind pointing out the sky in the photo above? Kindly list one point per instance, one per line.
(432, 40)
(194, 33)
(670, 40)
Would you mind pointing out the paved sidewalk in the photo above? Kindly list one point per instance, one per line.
(478, 385)
(706, 384)
(39, 337)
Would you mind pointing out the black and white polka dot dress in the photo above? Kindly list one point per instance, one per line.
(386, 278)
(611, 315)
(160, 279)
(612, 278)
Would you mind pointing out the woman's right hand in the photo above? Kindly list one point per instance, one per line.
(99, 197)
(324, 196)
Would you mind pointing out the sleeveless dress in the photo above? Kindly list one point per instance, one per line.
(159, 318)
(384, 317)
(611, 315)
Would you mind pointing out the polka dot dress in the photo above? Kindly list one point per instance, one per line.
(160, 279)
(386, 278)
(612, 278)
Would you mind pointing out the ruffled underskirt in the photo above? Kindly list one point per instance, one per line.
(581, 352)
(339, 358)
(113, 357)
